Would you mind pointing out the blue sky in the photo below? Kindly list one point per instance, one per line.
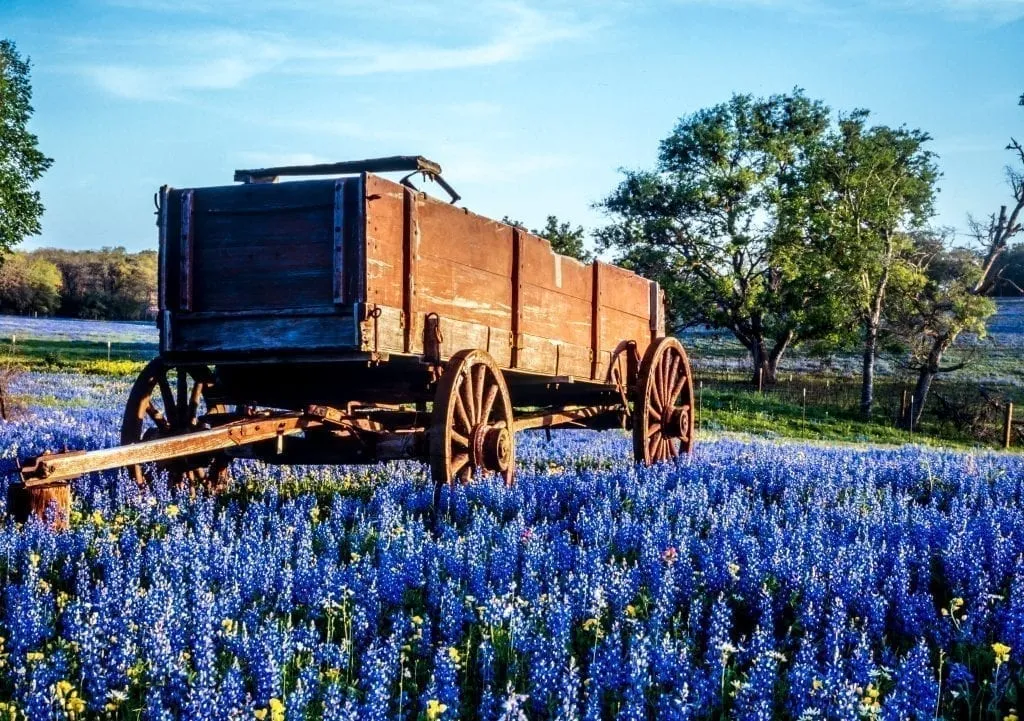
(531, 106)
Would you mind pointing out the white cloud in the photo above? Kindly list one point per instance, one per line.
(178, 64)
(983, 10)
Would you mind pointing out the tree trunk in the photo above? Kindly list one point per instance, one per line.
(925, 376)
(872, 323)
(912, 419)
(867, 388)
(781, 345)
(759, 355)
(765, 362)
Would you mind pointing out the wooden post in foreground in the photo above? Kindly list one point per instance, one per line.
(1008, 426)
(54, 501)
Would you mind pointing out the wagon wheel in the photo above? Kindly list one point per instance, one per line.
(663, 412)
(471, 427)
(169, 401)
(622, 373)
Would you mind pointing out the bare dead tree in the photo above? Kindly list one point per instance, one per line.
(938, 320)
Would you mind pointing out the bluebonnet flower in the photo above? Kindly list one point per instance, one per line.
(591, 588)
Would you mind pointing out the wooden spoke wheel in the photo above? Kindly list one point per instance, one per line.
(663, 412)
(471, 428)
(169, 401)
(622, 373)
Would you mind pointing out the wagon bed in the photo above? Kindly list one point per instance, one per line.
(362, 264)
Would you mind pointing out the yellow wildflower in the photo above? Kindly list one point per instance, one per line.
(454, 655)
(1002, 652)
(75, 706)
(631, 611)
(34, 656)
(96, 518)
(260, 713)
(276, 710)
(172, 511)
(816, 684)
(1012, 716)
(33, 558)
(435, 709)
(734, 571)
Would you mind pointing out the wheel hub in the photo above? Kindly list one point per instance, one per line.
(491, 448)
(678, 424)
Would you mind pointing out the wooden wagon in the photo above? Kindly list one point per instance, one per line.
(354, 319)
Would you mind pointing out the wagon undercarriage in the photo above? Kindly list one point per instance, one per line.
(185, 421)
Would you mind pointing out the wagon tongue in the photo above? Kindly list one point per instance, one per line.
(55, 468)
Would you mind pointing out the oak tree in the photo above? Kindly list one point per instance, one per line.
(721, 223)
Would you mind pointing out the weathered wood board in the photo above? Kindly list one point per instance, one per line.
(495, 287)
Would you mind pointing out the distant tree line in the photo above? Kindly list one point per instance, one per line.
(105, 284)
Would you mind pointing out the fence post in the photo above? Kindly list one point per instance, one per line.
(760, 380)
(700, 404)
(803, 413)
(1008, 426)
(108, 350)
(903, 407)
(910, 419)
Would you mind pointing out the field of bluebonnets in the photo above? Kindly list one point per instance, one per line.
(752, 580)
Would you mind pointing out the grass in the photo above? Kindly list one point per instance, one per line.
(91, 357)
(763, 415)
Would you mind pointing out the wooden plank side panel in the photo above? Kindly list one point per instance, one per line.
(463, 266)
(463, 293)
(187, 249)
(542, 355)
(264, 246)
(385, 220)
(463, 238)
(555, 297)
(617, 326)
(458, 335)
(546, 269)
(172, 252)
(554, 316)
(626, 291)
(269, 334)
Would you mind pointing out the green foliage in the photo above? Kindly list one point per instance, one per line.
(29, 284)
(721, 222)
(565, 239)
(21, 162)
(871, 186)
(105, 284)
